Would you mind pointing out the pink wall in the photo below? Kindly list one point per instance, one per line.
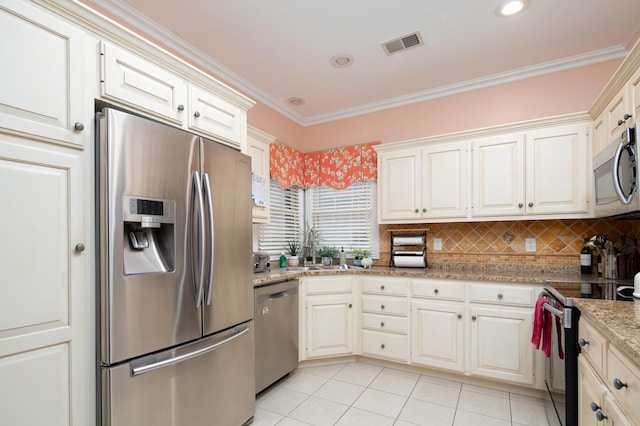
(559, 93)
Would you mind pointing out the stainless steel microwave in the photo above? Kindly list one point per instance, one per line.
(616, 176)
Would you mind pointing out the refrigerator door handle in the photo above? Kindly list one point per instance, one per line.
(136, 371)
(201, 242)
(207, 192)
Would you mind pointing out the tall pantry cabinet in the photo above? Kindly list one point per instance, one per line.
(46, 323)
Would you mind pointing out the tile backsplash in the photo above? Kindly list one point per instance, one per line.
(558, 242)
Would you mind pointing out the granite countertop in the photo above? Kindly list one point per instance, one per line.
(618, 321)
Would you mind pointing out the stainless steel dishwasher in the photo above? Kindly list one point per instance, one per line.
(276, 331)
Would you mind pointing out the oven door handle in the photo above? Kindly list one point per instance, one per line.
(555, 311)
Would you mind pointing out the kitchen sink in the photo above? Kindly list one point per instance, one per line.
(312, 268)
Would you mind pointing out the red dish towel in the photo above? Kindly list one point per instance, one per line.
(542, 324)
(538, 318)
(559, 328)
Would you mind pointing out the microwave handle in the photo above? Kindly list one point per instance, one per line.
(625, 199)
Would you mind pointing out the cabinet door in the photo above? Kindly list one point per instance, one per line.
(444, 180)
(44, 346)
(211, 115)
(614, 114)
(634, 98)
(590, 394)
(599, 140)
(437, 335)
(329, 325)
(133, 81)
(501, 344)
(258, 149)
(557, 155)
(498, 176)
(399, 185)
(41, 89)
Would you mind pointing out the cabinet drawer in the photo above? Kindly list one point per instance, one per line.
(436, 289)
(328, 285)
(502, 294)
(592, 345)
(626, 376)
(384, 305)
(385, 345)
(384, 286)
(385, 323)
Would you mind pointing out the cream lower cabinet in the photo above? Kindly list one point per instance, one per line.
(328, 314)
(438, 323)
(384, 322)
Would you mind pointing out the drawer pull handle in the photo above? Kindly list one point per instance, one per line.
(459, 316)
(594, 406)
(382, 346)
(381, 324)
(382, 307)
(500, 296)
(382, 287)
(436, 291)
(583, 342)
(619, 384)
(601, 416)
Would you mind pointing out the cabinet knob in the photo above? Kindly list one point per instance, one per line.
(78, 126)
(474, 318)
(627, 116)
(180, 107)
(620, 122)
(500, 296)
(424, 210)
(382, 307)
(417, 211)
(619, 384)
(381, 324)
(382, 346)
(196, 114)
(583, 342)
(382, 287)
(350, 305)
(594, 406)
(520, 205)
(530, 204)
(436, 291)
(459, 316)
(80, 247)
(601, 416)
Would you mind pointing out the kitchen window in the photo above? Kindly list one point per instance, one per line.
(345, 218)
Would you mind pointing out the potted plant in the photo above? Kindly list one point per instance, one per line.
(293, 248)
(359, 254)
(328, 253)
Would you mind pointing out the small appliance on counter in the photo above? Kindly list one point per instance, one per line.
(261, 262)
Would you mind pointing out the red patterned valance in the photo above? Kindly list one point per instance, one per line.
(337, 168)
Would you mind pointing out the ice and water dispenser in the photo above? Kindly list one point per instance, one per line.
(149, 241)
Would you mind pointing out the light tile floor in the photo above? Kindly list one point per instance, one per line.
(357, 393)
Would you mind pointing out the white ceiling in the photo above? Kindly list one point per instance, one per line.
(276, 49)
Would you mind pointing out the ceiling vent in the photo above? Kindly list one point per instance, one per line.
(402, 43)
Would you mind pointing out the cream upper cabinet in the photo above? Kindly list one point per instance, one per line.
(42, 85)
(399, 195)
(498, 175)
(137, 83)
(535, 173)
(144, 85)
(258, 149)
(553, 156)
(423, 184)
(444, 180)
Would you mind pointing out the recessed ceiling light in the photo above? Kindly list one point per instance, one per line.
(341, 61)
(296, 101)
(511, 7)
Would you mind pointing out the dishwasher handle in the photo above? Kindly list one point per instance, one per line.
(277, 295)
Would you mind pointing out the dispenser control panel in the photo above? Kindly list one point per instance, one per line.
(148, 212)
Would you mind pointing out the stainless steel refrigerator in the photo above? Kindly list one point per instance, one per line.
(175, 272)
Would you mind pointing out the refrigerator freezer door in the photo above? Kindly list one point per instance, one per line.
(203, 383)
(228, 297)
(145, 177)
